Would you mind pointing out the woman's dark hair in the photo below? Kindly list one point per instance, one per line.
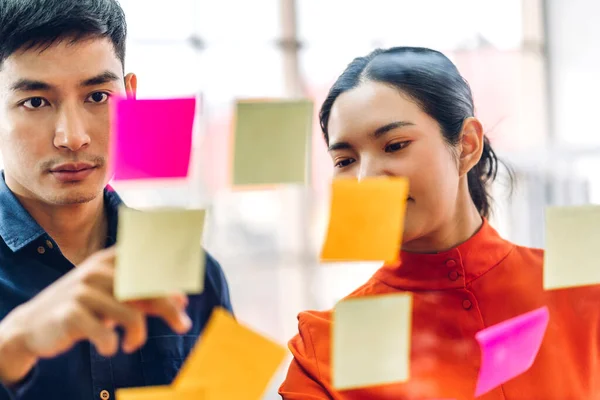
(431, 80)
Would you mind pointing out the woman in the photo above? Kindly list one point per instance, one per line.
(408, 112)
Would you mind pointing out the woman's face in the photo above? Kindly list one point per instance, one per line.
(374, 130)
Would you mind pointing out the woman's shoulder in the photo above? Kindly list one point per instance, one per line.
(531, 256)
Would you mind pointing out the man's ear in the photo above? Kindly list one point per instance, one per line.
(471, 145)
(131, 85)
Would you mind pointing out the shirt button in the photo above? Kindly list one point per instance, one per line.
(450, 263)
(467, 304)
(453, 275)
(104, 395)
(49, 244)
(41, 250)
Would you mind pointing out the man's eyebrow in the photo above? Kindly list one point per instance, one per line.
(29, 85)
(100, 79)
(32, 85)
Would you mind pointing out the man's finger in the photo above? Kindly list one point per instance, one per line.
(170, 311)
(91, 328)
(102, 278)
(132, 320)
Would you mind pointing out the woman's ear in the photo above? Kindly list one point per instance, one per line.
(131, 85)
(470, 145)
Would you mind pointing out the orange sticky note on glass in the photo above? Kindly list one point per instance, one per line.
(366, 219)
(160, 393)
(232, 361)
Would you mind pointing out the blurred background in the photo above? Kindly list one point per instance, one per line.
(532, 65)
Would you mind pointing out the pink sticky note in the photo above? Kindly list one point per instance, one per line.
(151, 139)
(509, 348)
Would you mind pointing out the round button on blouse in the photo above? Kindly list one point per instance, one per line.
(467, 304)
(41, 250)
(450, 263)
(49, 244)
(453, 275)
(104, 395)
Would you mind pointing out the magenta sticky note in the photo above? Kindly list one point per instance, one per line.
(151, 139)
(509, 348)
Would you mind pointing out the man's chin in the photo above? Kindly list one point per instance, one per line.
(73, 197)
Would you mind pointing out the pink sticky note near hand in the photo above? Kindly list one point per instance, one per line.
(509, 348)
(151, 139)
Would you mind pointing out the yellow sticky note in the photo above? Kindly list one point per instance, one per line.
(366, 219)
(159, 252)
(272, 142)
(231, 360)
(570, 258)
(160, 393)
(371, 341)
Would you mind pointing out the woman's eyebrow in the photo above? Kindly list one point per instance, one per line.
(379, 132)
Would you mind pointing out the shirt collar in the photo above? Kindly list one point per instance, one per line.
(455, 268)
(18, 228)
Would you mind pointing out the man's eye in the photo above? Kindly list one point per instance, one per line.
(35, 103)
(98, 97)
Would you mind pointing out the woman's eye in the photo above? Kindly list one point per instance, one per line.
(98, 98)
(344, 163)
(390, 148)
(35, 103)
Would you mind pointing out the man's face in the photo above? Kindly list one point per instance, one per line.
(54, 119)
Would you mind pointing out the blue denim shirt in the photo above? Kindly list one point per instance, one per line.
(30, 260)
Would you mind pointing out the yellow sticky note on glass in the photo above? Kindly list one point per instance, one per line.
(159, 252)
(572, 236)
(160, 393)
(371, 341)
(231, 360)
(366, 219)
(272, 142)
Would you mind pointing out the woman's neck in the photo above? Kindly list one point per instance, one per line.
(457, 229)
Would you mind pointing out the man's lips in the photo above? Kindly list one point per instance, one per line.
(72, 167)
(72, 172)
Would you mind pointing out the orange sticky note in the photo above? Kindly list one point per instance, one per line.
(231, 360)
(366, 220)
(160, 393)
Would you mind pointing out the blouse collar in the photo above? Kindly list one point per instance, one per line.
(455, 268)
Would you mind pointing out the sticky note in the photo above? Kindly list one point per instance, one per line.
(271, 142)
(231, 360)
(160, 393)
(151, 139)
(366, 220)
(509, 348)
(159, 253)
(371, 341)
(572, 236)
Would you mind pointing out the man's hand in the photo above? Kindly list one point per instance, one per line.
(80, 306)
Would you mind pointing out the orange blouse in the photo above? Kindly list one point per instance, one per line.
(482, 282)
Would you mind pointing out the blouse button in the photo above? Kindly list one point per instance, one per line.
(49, 244)
(450, 263)
(453, 275)
(467, 304)
(41, 250)
(104, 395)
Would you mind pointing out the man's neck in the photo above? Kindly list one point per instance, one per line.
(79, 229)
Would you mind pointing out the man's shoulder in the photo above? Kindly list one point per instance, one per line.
(215, 284)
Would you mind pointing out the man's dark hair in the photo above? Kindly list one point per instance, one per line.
(31, 24)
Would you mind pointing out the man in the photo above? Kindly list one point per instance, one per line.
(62, 333)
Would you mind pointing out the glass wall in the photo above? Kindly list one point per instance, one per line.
(268, 241)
